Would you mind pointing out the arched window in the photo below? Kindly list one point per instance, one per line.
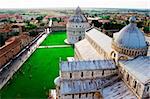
(147, 88)
(86, 95)
(70, 75)
(103, 72)
(127, 77)
(135, 83)
(79, 95)
(92, 74)
(81, 74)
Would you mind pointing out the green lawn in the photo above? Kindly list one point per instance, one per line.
(36, 76)
(55, 38)
(43, 66)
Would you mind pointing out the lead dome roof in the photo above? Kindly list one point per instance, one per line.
(78, 17)
(130, 36)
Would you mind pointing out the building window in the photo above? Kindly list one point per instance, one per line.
(70, 75)
(135, 84)
(103, 72)
(86, 95)
(79, 95)
(147, 88)
(127, 77)
(81, 74)
(92, 74)
(93, 94)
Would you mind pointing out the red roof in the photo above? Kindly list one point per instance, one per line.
(104, 21)
(10, 16)
(4, 30)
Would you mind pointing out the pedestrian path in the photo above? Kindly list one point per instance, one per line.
(54, 46)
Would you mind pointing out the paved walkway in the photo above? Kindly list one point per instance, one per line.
(54, 46)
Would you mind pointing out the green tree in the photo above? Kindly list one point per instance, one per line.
(39, 18)
(146, 29)
(33, 33)
(30, 26)
(96, 23)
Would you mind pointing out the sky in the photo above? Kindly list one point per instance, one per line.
(74, 3)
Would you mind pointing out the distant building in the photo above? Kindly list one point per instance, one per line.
(76, 27)
(56, 23)
(107, 68)
(12, 47)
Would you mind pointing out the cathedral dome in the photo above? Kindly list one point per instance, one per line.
(130, 36)
(78, 17)
(130, 40)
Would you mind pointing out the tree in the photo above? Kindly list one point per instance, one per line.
(96, 23)
(40, 18)
(33, 33)
(30, 26)
(139, 24)
(146, 29)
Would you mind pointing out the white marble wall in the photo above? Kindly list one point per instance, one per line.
(135, 85)
(81, 96)
(76, 31)
(87, 74)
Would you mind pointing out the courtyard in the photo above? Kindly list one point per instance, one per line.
(34, 79)
(56, 38)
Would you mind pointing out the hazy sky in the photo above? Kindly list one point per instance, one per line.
(75, 3)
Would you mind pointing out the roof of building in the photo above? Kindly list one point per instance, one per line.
(139, 68)
(130, 36)
(59, 23)
(78, 17)
(86, 51)
(100, 39)
(9, 44)
(87, 65)
(118, 90)
(83, 86)
(5, 30)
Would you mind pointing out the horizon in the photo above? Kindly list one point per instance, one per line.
(73, 8)
(50, 4)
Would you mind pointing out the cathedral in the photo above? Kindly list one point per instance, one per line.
(107, 68)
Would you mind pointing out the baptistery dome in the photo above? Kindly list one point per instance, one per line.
(78, 17)
(130, 40)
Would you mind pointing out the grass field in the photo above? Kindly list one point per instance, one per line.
(55, 38)
(34, 79)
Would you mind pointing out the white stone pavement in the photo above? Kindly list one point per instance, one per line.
(54, 46)
(14, 66)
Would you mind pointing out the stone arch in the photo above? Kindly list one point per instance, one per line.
(113, 54)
